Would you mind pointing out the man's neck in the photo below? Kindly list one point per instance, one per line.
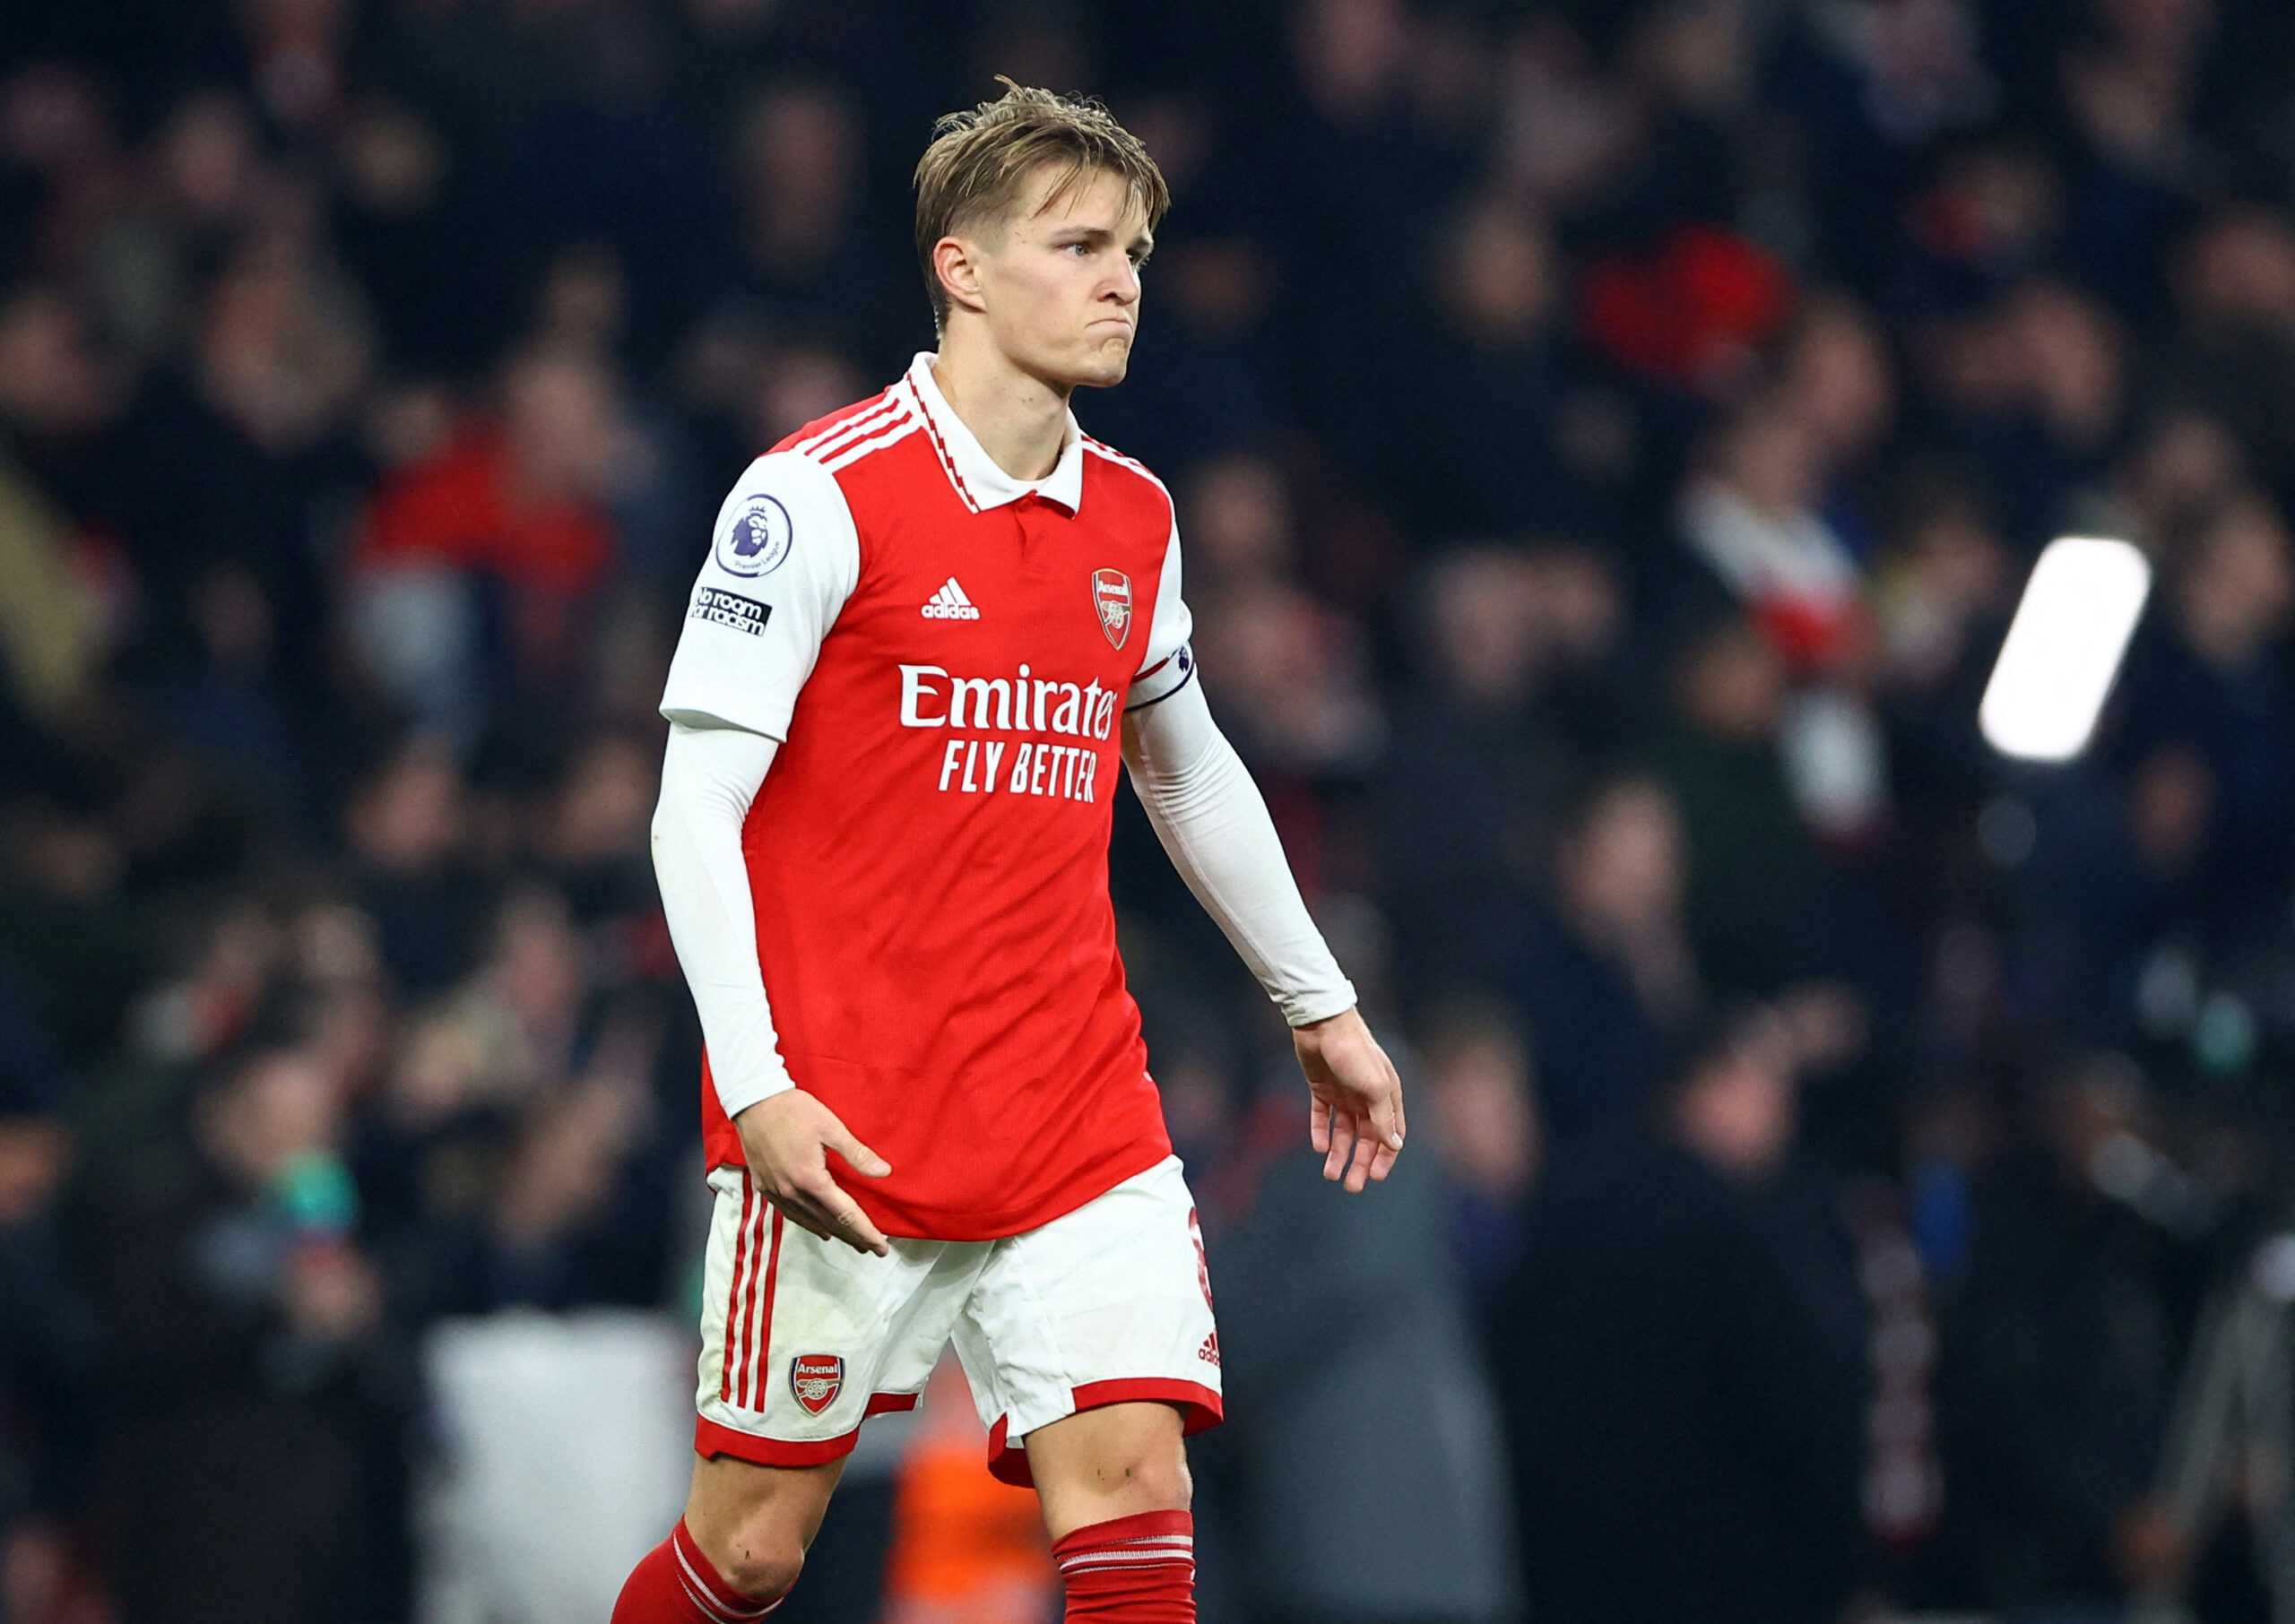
(1020, 421)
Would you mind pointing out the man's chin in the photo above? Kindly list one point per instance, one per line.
(1106, 367)
(1099, 366)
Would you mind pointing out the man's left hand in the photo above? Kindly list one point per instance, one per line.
(1355, 1119)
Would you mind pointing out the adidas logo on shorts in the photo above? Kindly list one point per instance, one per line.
(950, 603)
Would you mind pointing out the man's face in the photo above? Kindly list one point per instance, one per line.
(1061, 288)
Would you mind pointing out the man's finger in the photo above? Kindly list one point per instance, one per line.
(801, 1214)
(851, 1225)
(1383, 1162)
(1386, 1117)
(857, 1157)
(805, 1208)
(1318, 1123)
(1358, 1172)
(1339, 1137)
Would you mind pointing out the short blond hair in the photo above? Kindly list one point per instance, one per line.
(981, 159)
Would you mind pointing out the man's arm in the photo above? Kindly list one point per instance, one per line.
(710, 777)
(1213, 823)
(782, 560)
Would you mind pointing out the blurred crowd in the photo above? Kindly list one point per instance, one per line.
(1609, 440)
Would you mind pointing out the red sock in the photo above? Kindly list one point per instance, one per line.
(1133, 1571)
(677, 1585)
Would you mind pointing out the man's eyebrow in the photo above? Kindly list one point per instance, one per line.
(1143, 244)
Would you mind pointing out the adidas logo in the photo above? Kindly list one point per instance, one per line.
(1209, 1352)
(950, 603)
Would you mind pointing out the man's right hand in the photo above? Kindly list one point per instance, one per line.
(787, 1139)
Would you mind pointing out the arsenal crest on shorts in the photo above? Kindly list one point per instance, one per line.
(1111, 596)
(816, 1379)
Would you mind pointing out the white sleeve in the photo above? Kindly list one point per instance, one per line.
(782, 560)
(1168, 663)
(710, 777)
(1213, 824)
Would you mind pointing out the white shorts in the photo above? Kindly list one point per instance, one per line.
(803, 1339)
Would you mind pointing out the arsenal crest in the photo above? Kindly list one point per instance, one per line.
(1112, 596)
(816, 1379)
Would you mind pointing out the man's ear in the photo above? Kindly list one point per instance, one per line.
(954, 262)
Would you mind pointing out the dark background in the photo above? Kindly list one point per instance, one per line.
(1609, 440)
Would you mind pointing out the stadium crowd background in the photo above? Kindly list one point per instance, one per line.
(1608, 441)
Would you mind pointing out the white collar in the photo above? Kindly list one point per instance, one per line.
(972, 470)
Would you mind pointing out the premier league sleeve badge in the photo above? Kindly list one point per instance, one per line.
(755, 539)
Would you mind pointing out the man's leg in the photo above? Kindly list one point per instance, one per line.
(1116, 1493)
(738, 1548)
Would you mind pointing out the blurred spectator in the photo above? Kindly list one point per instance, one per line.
(397, 218)
(812, 255)
(1474, 773)
(1200, 383)
(2185, 462)
(1944, 587)
(56, 395)
(68, 932)
(1943, 575)
(2059, 1355)
(1757, 890)
(1693, 309)
(245, 1471)
(48, 1341)
(1752, 521)
(1477, 1076)
(2236, 298)
(514, 510)
(595, 830)
(1329, 1307)
(1293, 674)
(2034, 395)
(1834, 370)
(1607, 975)
(517, 1159)
(2210, 676)
(1991, 216)
(1669, 1357)
(225, 466)
(1481, 427)
(799, 384)
(406, 827)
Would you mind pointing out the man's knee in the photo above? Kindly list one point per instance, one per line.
(764, 1567)
(753, 1523)
(1155, 1473)
(1117, 1462)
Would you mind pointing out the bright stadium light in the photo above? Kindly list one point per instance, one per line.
(2064, 648)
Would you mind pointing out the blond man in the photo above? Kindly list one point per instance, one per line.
(928, 627)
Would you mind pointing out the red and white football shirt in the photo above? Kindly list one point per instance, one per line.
(946, 653)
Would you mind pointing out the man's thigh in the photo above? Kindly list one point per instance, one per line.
(740, 1513)
(1115, 1461)
(803, 1339)
(1108, 1305)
